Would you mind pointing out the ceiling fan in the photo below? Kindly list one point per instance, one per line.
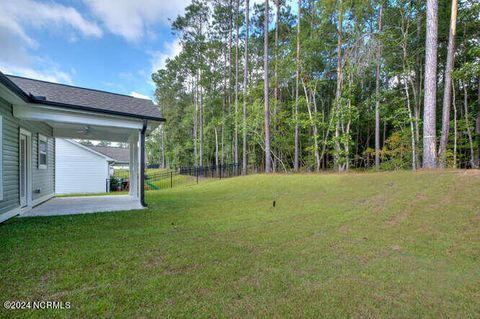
(86, 130)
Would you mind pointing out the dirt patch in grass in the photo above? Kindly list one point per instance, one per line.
(476, 218)
(404, 214)
(181, 270)
(154, 262)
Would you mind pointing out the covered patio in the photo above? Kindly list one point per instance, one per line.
(84, 205)
(76, 113)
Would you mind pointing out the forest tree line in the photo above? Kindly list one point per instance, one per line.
(321, 84)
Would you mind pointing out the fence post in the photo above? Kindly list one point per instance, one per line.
(171, 179)
(196, 173)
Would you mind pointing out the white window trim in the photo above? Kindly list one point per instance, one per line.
(42, 138)
(1, 157)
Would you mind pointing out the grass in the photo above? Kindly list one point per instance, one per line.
(174, 180)
(398, 245)
(123, 173)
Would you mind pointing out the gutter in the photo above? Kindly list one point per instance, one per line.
(142, 163)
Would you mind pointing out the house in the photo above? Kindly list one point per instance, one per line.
(80, 169)
(33, 113)
(120, 156)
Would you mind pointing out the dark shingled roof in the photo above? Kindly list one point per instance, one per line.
(119, 154)
(86, 99)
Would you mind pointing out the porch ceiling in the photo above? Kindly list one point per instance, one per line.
(91, 132)
(81, 124)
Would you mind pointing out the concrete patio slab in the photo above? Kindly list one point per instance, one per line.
(83, 205)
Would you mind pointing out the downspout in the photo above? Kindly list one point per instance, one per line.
(142, 164)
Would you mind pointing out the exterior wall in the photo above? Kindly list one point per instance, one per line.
(43, 180)
(79, 171)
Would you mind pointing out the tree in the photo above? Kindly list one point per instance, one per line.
(297, 80)
(104, 143)
(338, 91)
(447, 93)
(477, 125)
(348, 86)
(268, 160)
(430, 96)
(377, 95)
(237, 40)
(245, 92)
(85, 142)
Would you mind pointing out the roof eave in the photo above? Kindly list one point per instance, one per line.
(92, 109)
(30, 99)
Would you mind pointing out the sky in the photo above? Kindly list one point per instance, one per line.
(111, 45)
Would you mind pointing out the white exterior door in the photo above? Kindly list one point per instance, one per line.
(24, 170)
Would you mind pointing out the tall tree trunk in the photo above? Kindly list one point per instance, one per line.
(224, 101)
(406, 80)
(315, 133)
(447, 93)
(313, 124)
(477, 126)
(377, 96)
(455, 129)
(467, 123)
(162, 141)
(229, 70)
(418, 80)
(201, 122)
(346, 128)
(297, 79)
(268, 159)
(216, 147)
(275, 90)
(245, 92)
(237, 36)
(195, 122)
(429, 115)
(338, 91)
(412, 128)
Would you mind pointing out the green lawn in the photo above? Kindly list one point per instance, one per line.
(123, 173)
(370, 245)
(168, 181)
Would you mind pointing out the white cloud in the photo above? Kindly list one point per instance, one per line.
(139, 95)
(159, 58)
(49, 16)
(48, 74)
(16, 54)
(134, 19)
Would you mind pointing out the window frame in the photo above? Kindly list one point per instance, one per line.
(42, 138)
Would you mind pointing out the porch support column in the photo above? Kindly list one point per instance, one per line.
(134, 164)
(142, 164)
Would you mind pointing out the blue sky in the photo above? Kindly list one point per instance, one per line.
(111, 45)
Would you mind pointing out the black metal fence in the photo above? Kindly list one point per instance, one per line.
(213, 171)
(157, 179)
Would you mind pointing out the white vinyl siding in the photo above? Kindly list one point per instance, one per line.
(42, 180)
(77, 170)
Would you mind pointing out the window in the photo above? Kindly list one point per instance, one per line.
(42, 151)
